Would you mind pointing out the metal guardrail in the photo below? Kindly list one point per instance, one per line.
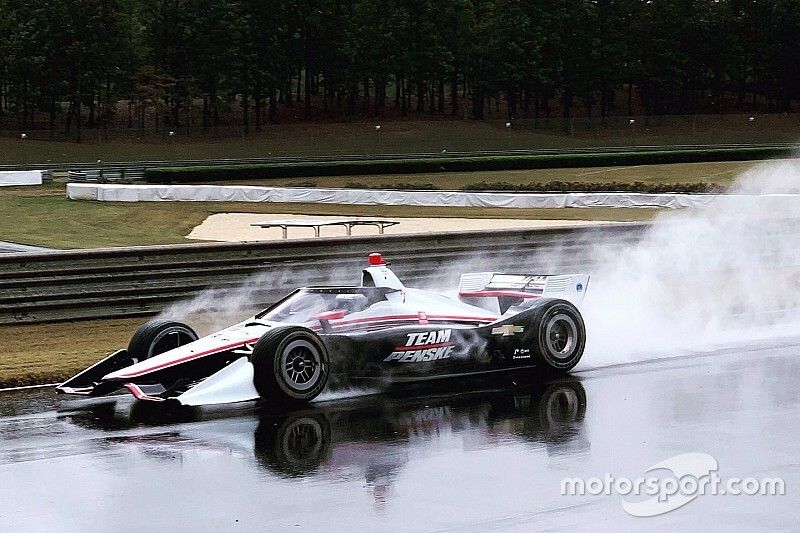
(141, 165)
(124, 282)
(107, 175)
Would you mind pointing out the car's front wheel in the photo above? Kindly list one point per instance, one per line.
(159, 336)
(290, 365)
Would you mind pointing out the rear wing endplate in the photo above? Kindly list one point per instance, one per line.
(570, 287)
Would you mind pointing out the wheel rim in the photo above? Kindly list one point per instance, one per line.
(302, 441)
(301, 364)
(562, 407)
(561, 336)
(169, 339)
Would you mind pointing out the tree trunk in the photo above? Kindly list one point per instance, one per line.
(307, 103)
(52, 119)
(299, 86)
(214, 110)
(107, 114)
(257, 96)
(630, 98)
(401, 91)
(454, 94)
(273, 106)
(511, 100)
(352, 98)
(380, 95)
(92, 116)
(566, 102)
(365, 107)
(78, 120)
(478, 97)
(246, 112)
(176, 112)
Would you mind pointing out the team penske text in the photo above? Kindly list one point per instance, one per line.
(423, 346)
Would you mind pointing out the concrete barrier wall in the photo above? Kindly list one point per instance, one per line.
(20, 177)
(244, 193)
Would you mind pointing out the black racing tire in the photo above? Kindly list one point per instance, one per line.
(552, 413)
(562, 406)
(560, 336)
(295, 445)
(290, 365)
(159, 336)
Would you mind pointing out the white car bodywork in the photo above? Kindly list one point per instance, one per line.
(401, 306)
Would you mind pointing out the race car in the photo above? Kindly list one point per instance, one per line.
(379, 332)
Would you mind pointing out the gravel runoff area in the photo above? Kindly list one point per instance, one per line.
(235, 227)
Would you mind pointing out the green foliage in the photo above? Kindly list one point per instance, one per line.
(246, 60)
(598, 186)
(449, 164)
(401, 186)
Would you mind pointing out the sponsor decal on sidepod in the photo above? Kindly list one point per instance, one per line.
(424, 346)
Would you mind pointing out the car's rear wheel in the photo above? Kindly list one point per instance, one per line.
(562, 405)
(560, 335)
(159, 336)
(290, 365)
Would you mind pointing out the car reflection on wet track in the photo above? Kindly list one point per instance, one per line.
(373, 436)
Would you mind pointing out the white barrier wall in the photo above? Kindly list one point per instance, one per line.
(22, 177)
(233, 193)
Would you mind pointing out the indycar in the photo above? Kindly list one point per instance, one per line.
(379, 333)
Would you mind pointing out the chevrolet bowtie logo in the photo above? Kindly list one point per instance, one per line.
(507, 330)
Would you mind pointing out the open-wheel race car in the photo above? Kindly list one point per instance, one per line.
(379, 332)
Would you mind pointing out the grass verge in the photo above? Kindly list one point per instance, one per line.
(446, 164)
(49, 353)
(722, 173)
(396, 137)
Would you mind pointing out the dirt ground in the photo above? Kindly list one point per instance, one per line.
(234, 227)
(47, 353)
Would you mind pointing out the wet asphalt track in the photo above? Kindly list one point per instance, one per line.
(478, 458)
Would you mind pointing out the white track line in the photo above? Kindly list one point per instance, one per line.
(26, 387)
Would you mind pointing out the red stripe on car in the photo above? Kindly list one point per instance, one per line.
(423, 346)
(139, 393)
(512, 294)
(187, 358)
(415, 318)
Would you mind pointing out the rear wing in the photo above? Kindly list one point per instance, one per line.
(509, 287)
